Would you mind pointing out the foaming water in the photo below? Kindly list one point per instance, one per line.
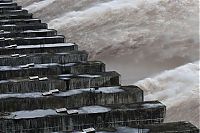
(178, 89)
(118, 27)
(39, 5)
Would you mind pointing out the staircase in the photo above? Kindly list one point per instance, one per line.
(48, 85)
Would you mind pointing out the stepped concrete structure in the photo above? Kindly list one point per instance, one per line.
(48, 85)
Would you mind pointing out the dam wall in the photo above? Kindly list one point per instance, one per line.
(48, 85)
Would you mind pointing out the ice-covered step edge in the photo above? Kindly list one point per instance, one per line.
(87, 116)
(32, 40)
(62, 82)
(26, 70)
(29, 33)
(23, 27)
(43, 58)
(40, 48)
(19, 21)
(71, 98)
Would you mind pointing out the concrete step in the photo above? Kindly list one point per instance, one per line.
(26, 70)
(32, 40)
(29, 33)
(16, 16)
(10, 12)
(62, 82)
(10, 8)
(23, 27)
(173, 127)
(88, 116)
(40, 48)
(5, 1)
(44, 58)
(71, 98)
(19, 21)
(8, 4)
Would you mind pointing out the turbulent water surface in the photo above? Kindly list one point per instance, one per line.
(157, 39)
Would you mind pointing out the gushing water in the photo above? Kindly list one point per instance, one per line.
(178, 89)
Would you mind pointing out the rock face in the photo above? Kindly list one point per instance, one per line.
(48, 85)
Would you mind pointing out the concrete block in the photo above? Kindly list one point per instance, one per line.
(23, 27)
(16, 16)
(29, 33)
(9, 12)
(40, 48)
(10, 8)
(7, 72)
(71, 98)
(32, 40)
(88, 116)
(61, 82)
(45, 58)
(8, 4)
(5, 1)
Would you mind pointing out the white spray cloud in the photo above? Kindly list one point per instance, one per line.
(97, 10)
(176, 87)
(167, 28)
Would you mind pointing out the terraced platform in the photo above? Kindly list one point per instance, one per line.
(62, 82)
(48, 85)
(51, 69)
(72, 98)
(44, 58)
(86, 116)
(19, 21)
(29, 33)
(39, 48)
(174, 127)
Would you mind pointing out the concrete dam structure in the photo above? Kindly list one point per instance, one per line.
(48, 85)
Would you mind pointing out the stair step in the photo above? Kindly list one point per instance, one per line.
(87, 116)
(8, 4)
(10, 8)
(25, 70)
(173, 127)
(32, 40)
(40, 48)
(71, 98)
(23, 27)
(19, 21)
(62, 82)
(44, 58)
(29, 33)
(17, 12)
(16, 16)
(5, 1)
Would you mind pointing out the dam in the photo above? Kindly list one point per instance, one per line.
(48, 85)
